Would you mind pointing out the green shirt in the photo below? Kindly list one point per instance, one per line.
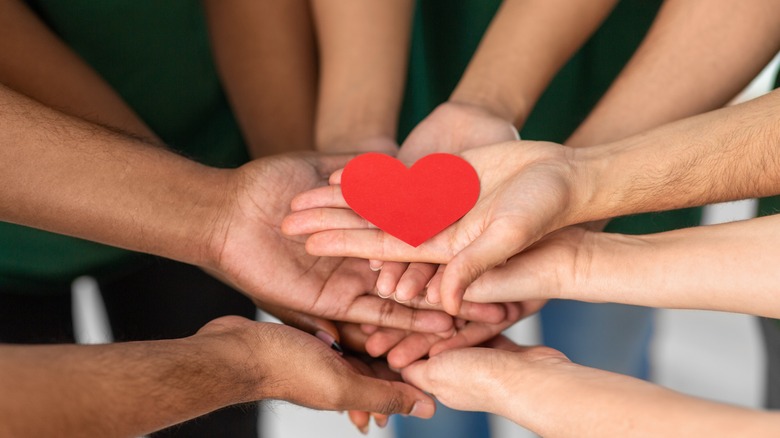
(156, 54)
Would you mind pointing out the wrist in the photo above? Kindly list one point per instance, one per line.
(204, 215)
(372, 140)
(495, 101)
(592, 197)
(233, 354)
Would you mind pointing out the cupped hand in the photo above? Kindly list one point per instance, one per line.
(527, 191)
(454, 127)
(279, 362)
(250, 252)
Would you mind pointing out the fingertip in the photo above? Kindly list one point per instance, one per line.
(335, 177)
(423, 409)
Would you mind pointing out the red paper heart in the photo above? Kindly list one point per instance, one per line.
(412, 204)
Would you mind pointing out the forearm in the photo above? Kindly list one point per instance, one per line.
(126, 389)
(266, 55)
(572, 400)
(526, 44)
(36, 63)
(713, 268)
(696, 57)
(723, 155)
(68, 176)
(363, 53)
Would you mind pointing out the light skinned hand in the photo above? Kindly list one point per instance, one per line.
(402, 347)
(250, 252)
(451, 128)
(476, 379)
(527, 190)
(454, 127)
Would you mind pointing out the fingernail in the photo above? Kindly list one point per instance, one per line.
(364, 429)
(329, 340)
(422, 409)
(381, 422)
(375, 265)
(397, 300)
(382, 295)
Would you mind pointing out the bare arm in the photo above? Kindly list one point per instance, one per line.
(526, 44)
(719, 156)
(711, 268)
(696, 57)
(68, 176)
(266, 56)
(129, 389)
(364, 48)
(540, 389)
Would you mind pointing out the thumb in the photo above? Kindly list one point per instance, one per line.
(485, 252)
(335, 177)
(385, 397)
(417, 375)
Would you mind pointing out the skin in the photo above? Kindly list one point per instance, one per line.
(75, 89)
(670, 77)
(538, 388)
(266, 55)
(708, 268)
(231, 360)
(530, 191)
(363, 50)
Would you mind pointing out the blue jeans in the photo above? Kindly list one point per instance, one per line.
(613, 337)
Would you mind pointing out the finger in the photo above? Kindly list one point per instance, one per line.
(485, 252)
(417, 374)
(413, 280)
(477, 333)
(411, 348)
(322, 219)
(383, 340)
(371, 244)
(478, 312)
(433, 292)
(352, 337)
(370, 309)
(335, 177)
(368, 329)
(327, 196)
(376, 395)
(387, 281)
(360, 419)
(375, 265)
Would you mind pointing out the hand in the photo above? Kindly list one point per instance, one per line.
(454, 127)
(478, 379)
(279, 362)
(249, 251)
(527, 190)
(541, 272)
(402, 348)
